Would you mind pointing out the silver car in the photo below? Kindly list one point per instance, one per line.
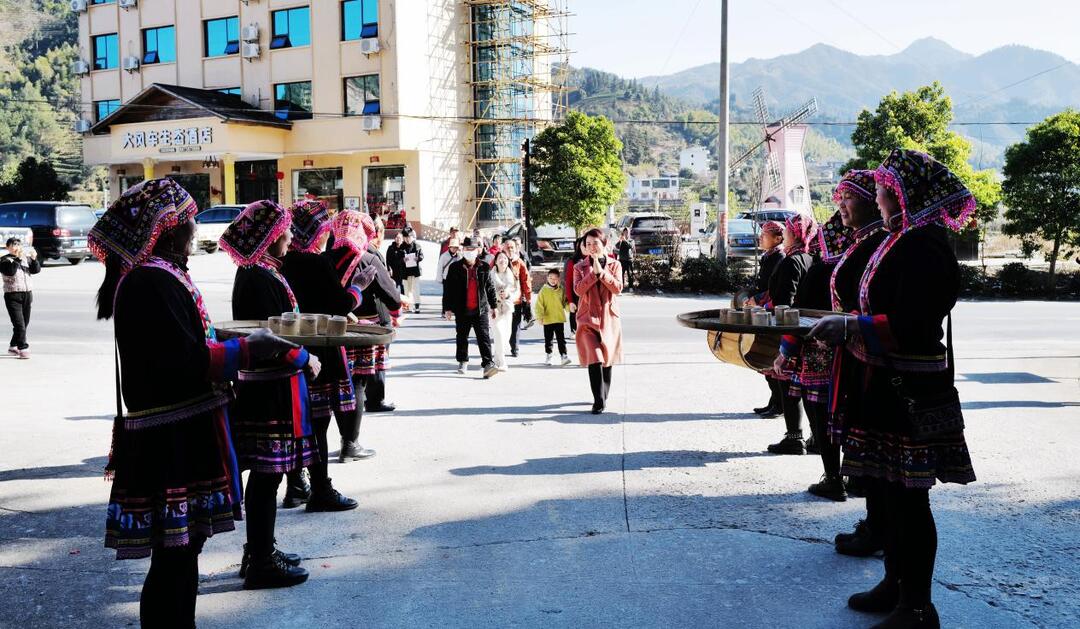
(742, 239)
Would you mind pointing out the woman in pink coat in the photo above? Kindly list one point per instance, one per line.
(597, 280)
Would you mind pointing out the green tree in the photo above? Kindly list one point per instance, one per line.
(35, 181)
(575, 171)
(1042, 185)
(919, 120)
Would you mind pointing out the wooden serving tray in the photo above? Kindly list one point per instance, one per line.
(355, 335)
(710, 320)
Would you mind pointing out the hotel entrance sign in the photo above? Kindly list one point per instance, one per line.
(179, 140)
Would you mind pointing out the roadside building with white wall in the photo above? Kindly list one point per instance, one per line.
(695, 159)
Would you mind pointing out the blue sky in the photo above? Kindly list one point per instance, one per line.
(644, 37)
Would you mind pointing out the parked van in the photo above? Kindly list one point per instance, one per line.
(59, 228)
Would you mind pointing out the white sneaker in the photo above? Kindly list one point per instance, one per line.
(14, 351)
(565, 360)
(462, 367)
(547, 361)
(24, 354)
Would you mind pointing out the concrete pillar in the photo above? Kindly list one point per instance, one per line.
(228, 178)
(148, 169)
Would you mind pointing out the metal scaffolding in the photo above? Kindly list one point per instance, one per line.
(519, 59)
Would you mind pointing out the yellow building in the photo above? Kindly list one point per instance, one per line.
(367, 103)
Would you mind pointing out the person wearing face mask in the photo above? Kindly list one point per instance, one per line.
(272, 425)
(17, 267)
(412, 255)
(448, 257)
(522, 306)
(597, 283)
(395, 261)
(469, 298)
(508, 289)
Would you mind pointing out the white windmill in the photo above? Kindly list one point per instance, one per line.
(784, 183)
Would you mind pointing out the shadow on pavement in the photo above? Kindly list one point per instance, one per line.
(978, 406)
(607, 462)
(89, 468)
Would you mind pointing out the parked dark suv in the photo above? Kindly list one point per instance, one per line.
(59, 228)
(653, 233)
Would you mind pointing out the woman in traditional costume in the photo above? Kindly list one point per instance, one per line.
(597, 283)
(175, 475)
(317, 290)
(349, 256)
(800, 232)
(898, 405)
(272, 420)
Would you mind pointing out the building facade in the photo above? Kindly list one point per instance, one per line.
(663, 188)
(367, 104)
(695, 159)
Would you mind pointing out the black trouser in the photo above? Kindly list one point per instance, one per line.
(910, 540)
(18, 307)
(320, 475)
(481, 322)
(348, 422)
(792, 410)
(818, 415)
(775, 394)
(171, 586)
(521, 312)
(374, 386)
(554, 330)
(600, 382)
(628, 271)
(573, 322)
(260, 505)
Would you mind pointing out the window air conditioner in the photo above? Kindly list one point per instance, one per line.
(78, 6)
(128, 4)
(82, 126)
(369, 46)
(131, 64)
(250, 33)
(80, 67)
(250, 51)
(372, 123)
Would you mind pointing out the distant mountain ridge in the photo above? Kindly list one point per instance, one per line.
(845, 83)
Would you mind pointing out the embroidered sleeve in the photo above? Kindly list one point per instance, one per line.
(297, 357)
(226, 359)
(877, 334)
(357, 296)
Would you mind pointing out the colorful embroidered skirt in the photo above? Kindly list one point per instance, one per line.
(812, 379)
(272, 422)
(174, 484)
(365, 361)
(333, 389)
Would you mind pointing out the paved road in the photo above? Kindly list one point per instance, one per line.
(503, 504)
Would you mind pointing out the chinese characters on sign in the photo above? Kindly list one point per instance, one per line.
(170, 140)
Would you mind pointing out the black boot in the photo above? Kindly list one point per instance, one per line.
(297, 490)
(811, 446)
(272, 571)
(829, 487)
(353, 451)
(290, 558)
(904, 617)
(325, 498)
(769, 412)
(883, 598)
(792, 443)
(862, 543)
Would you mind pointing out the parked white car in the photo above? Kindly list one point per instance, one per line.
(742, 239)
(212, 223)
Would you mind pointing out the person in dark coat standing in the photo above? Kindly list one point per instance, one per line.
(470, 300)
(413, 255)
(395, 261)
(901, 412)
(388, 310)
(624, 250)
(568, 274)
(769, 241)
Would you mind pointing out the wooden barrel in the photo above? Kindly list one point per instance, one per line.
(753, 351)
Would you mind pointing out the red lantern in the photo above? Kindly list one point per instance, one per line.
(280, 175)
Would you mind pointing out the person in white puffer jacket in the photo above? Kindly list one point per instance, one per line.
(508, 289)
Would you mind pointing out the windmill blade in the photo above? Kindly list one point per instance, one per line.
(807, 110)
(761, 108)
(772, 170)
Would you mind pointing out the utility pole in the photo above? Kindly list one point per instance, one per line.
(526, 199)
(722, 141)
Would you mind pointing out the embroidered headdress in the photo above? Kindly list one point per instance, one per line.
(253, 231)
(310, 220)
(132, 225)
(772, 228)
(859, 182)
(928, 192)
(353, 229)
(803, 229)
(834, 239)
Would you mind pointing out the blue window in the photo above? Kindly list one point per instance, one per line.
(292, 101)
(292, 27)
(159, 45)
(221, 37)
(102, 1)
(231, 91)
(102, 108)
(106, 52)
(362, 95)
(359, 19)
